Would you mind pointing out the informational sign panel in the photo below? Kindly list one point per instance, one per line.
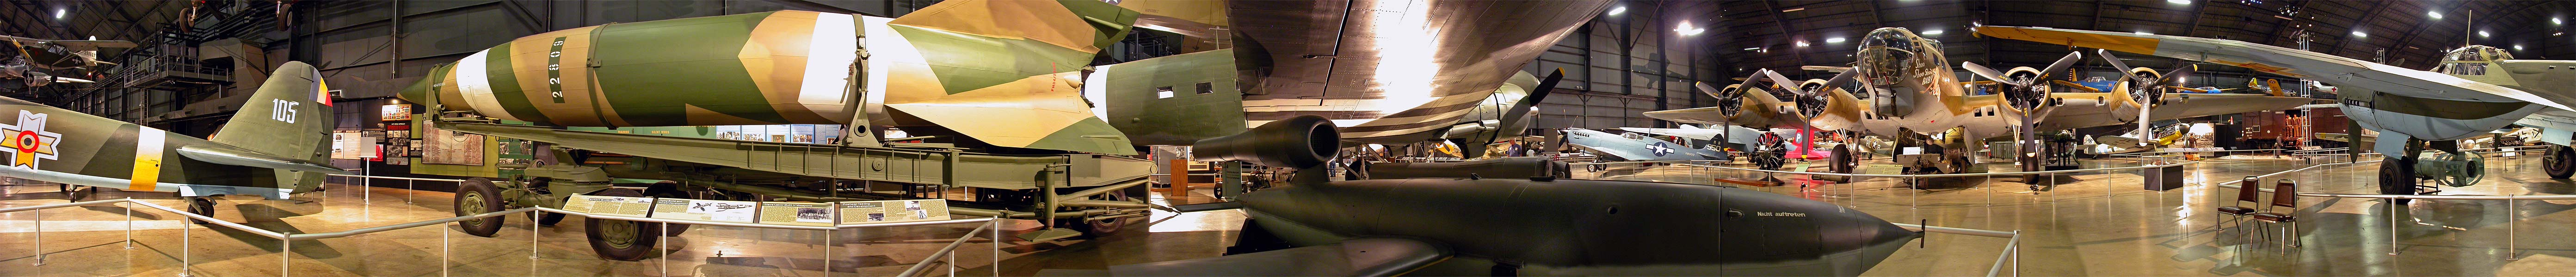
(854, 212)
(611, 205)
(706, 210)
(797, 213)
(397, 112)
(441, 146)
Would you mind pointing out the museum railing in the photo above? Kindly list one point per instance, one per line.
(2012, 244)
(370, 181)
(2512, 251)
(286, 240)
(1915, 180)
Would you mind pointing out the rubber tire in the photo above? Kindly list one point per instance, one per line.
(1106, 227)
(549, 219)
(670, 189)
(2559, 162)
(200, 206)
(642, 241)
(479, 191)
(2397, 177)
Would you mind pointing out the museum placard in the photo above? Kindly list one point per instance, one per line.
(610, 205)
(797, 213)
(856, 212)
(439, 146)
(706, 210)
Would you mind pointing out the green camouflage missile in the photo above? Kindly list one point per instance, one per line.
(1002, 72)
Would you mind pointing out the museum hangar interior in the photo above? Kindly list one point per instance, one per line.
(1287, 138)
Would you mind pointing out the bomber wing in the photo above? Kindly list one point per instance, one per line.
(2081, 109)
(1356, 257)
(2346, 72)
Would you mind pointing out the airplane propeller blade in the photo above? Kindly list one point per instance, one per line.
(1520, 110)
(1839, 79)
(1982, 71)
(1784, 82)
(1704, 89)
(2175, 77)
(2115, 63)
(2062, 64)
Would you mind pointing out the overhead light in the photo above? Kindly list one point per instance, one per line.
(2434, 14)
(2184, 2)
(93, 37)
(1834, 40)
(2555, 21)
(1792, 10)
(2282, 17)
(2482, 33)
(1618, 10)
(58, 13)
(1802, 43)
(1685, 28)
(1752, 48)
(2558, 33)
(2517, 47)
(2359, 34)
(1932, 32)
(2141, 33)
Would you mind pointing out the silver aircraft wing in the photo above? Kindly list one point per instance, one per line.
(2346, 73)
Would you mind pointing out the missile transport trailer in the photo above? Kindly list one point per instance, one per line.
(1093, 193)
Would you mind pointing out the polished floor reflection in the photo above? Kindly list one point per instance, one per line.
(2084, 224)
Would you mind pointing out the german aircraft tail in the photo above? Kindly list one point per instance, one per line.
(286, 125)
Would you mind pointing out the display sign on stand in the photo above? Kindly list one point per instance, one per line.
(797, 213)
(706, 210)
(855, 212)
(611, 205)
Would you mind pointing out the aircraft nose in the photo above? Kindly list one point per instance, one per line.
(1852, 230)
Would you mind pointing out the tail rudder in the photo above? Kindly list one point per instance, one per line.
(290, 117)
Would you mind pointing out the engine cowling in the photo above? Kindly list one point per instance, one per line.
(1817, 100)
(1299, 142)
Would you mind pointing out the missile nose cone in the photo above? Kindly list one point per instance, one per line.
(1871, 238)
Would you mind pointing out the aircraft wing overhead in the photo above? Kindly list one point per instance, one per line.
(2199, 105)
(1698, 134)
(2344, 72)
(1357, 257)
(2556, 126)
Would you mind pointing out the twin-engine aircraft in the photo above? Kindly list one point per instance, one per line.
(27, 57)
(2419, 114)
(276, 146)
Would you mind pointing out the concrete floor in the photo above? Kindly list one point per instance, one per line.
(2092, 224)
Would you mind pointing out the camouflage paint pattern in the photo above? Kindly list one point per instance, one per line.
(286, 119)
(995, 71)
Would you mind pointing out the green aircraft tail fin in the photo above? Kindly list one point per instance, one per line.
(289, 117)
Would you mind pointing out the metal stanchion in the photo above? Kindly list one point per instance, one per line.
(129, 221)
(40, 237)
(183, 248)
(407, 195)
(664, 247)
(534, 230)
(2392, 226)
(285, 252)
(996, 224)
(446, 252)
(827, 252)
(370, 183)
(2511, 215)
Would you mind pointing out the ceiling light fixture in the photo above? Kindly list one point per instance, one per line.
(2142, 33)
(1618, 10)
(58, 13)
(1792, 10)
(1802, 43)
(1834, 40)
(2482, 33)
(1932, 32)
(2359, 34)
(2184, 2)
(2434, 14)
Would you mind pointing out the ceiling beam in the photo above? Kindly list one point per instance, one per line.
(1797, 54)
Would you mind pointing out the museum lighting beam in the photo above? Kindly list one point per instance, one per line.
(2359, 34)
(2436, 15)
(1834, 40)
(1618, 10)
(1932, 32)
(2183, 2)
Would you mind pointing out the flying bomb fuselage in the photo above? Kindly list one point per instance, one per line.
(1009, 84)
(1588, 227)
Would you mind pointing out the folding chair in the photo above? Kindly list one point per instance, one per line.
(2284, 196)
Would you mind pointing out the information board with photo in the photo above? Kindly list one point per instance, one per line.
(797, 213)
(706, 210)
(853, 212)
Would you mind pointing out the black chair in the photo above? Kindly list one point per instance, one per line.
(2285, 196)
(2249, 190)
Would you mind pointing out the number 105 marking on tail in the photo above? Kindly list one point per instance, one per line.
(282, 110)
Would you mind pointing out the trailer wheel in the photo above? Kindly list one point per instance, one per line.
(476, 196)
(2397, 177)
(619, 239)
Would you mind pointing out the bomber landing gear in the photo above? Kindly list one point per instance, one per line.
(2397, 176)
(2559, 161)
